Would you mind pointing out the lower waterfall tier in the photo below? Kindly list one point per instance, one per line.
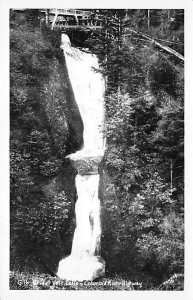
(85, 262)
(80, 269)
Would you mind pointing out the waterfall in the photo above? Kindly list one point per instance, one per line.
(84, 262)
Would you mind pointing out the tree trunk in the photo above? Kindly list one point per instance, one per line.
(47, 17)
(171, 175)
(148, 19)
(135, 132)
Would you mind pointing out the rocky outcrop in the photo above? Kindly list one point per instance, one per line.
(61, 109)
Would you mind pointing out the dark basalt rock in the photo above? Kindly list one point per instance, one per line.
(61, 110)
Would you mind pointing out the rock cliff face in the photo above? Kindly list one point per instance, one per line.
(45, 125)
(61, 108)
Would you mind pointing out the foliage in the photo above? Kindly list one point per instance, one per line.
(40, 207)
(149, 211)
(128, 54)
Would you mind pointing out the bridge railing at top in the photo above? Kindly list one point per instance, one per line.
(68, 11)
(87, 23)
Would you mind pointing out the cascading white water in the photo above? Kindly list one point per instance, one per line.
(88, 219)
(88, 87)
(84, 262)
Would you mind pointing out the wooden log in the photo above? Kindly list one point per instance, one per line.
(150, 39)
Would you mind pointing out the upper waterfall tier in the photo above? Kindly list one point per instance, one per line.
(88, 87)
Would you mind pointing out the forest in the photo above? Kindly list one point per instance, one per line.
(141, 58)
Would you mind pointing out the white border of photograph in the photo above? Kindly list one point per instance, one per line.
(5, 293)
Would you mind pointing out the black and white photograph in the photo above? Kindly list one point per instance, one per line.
(96, 148)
